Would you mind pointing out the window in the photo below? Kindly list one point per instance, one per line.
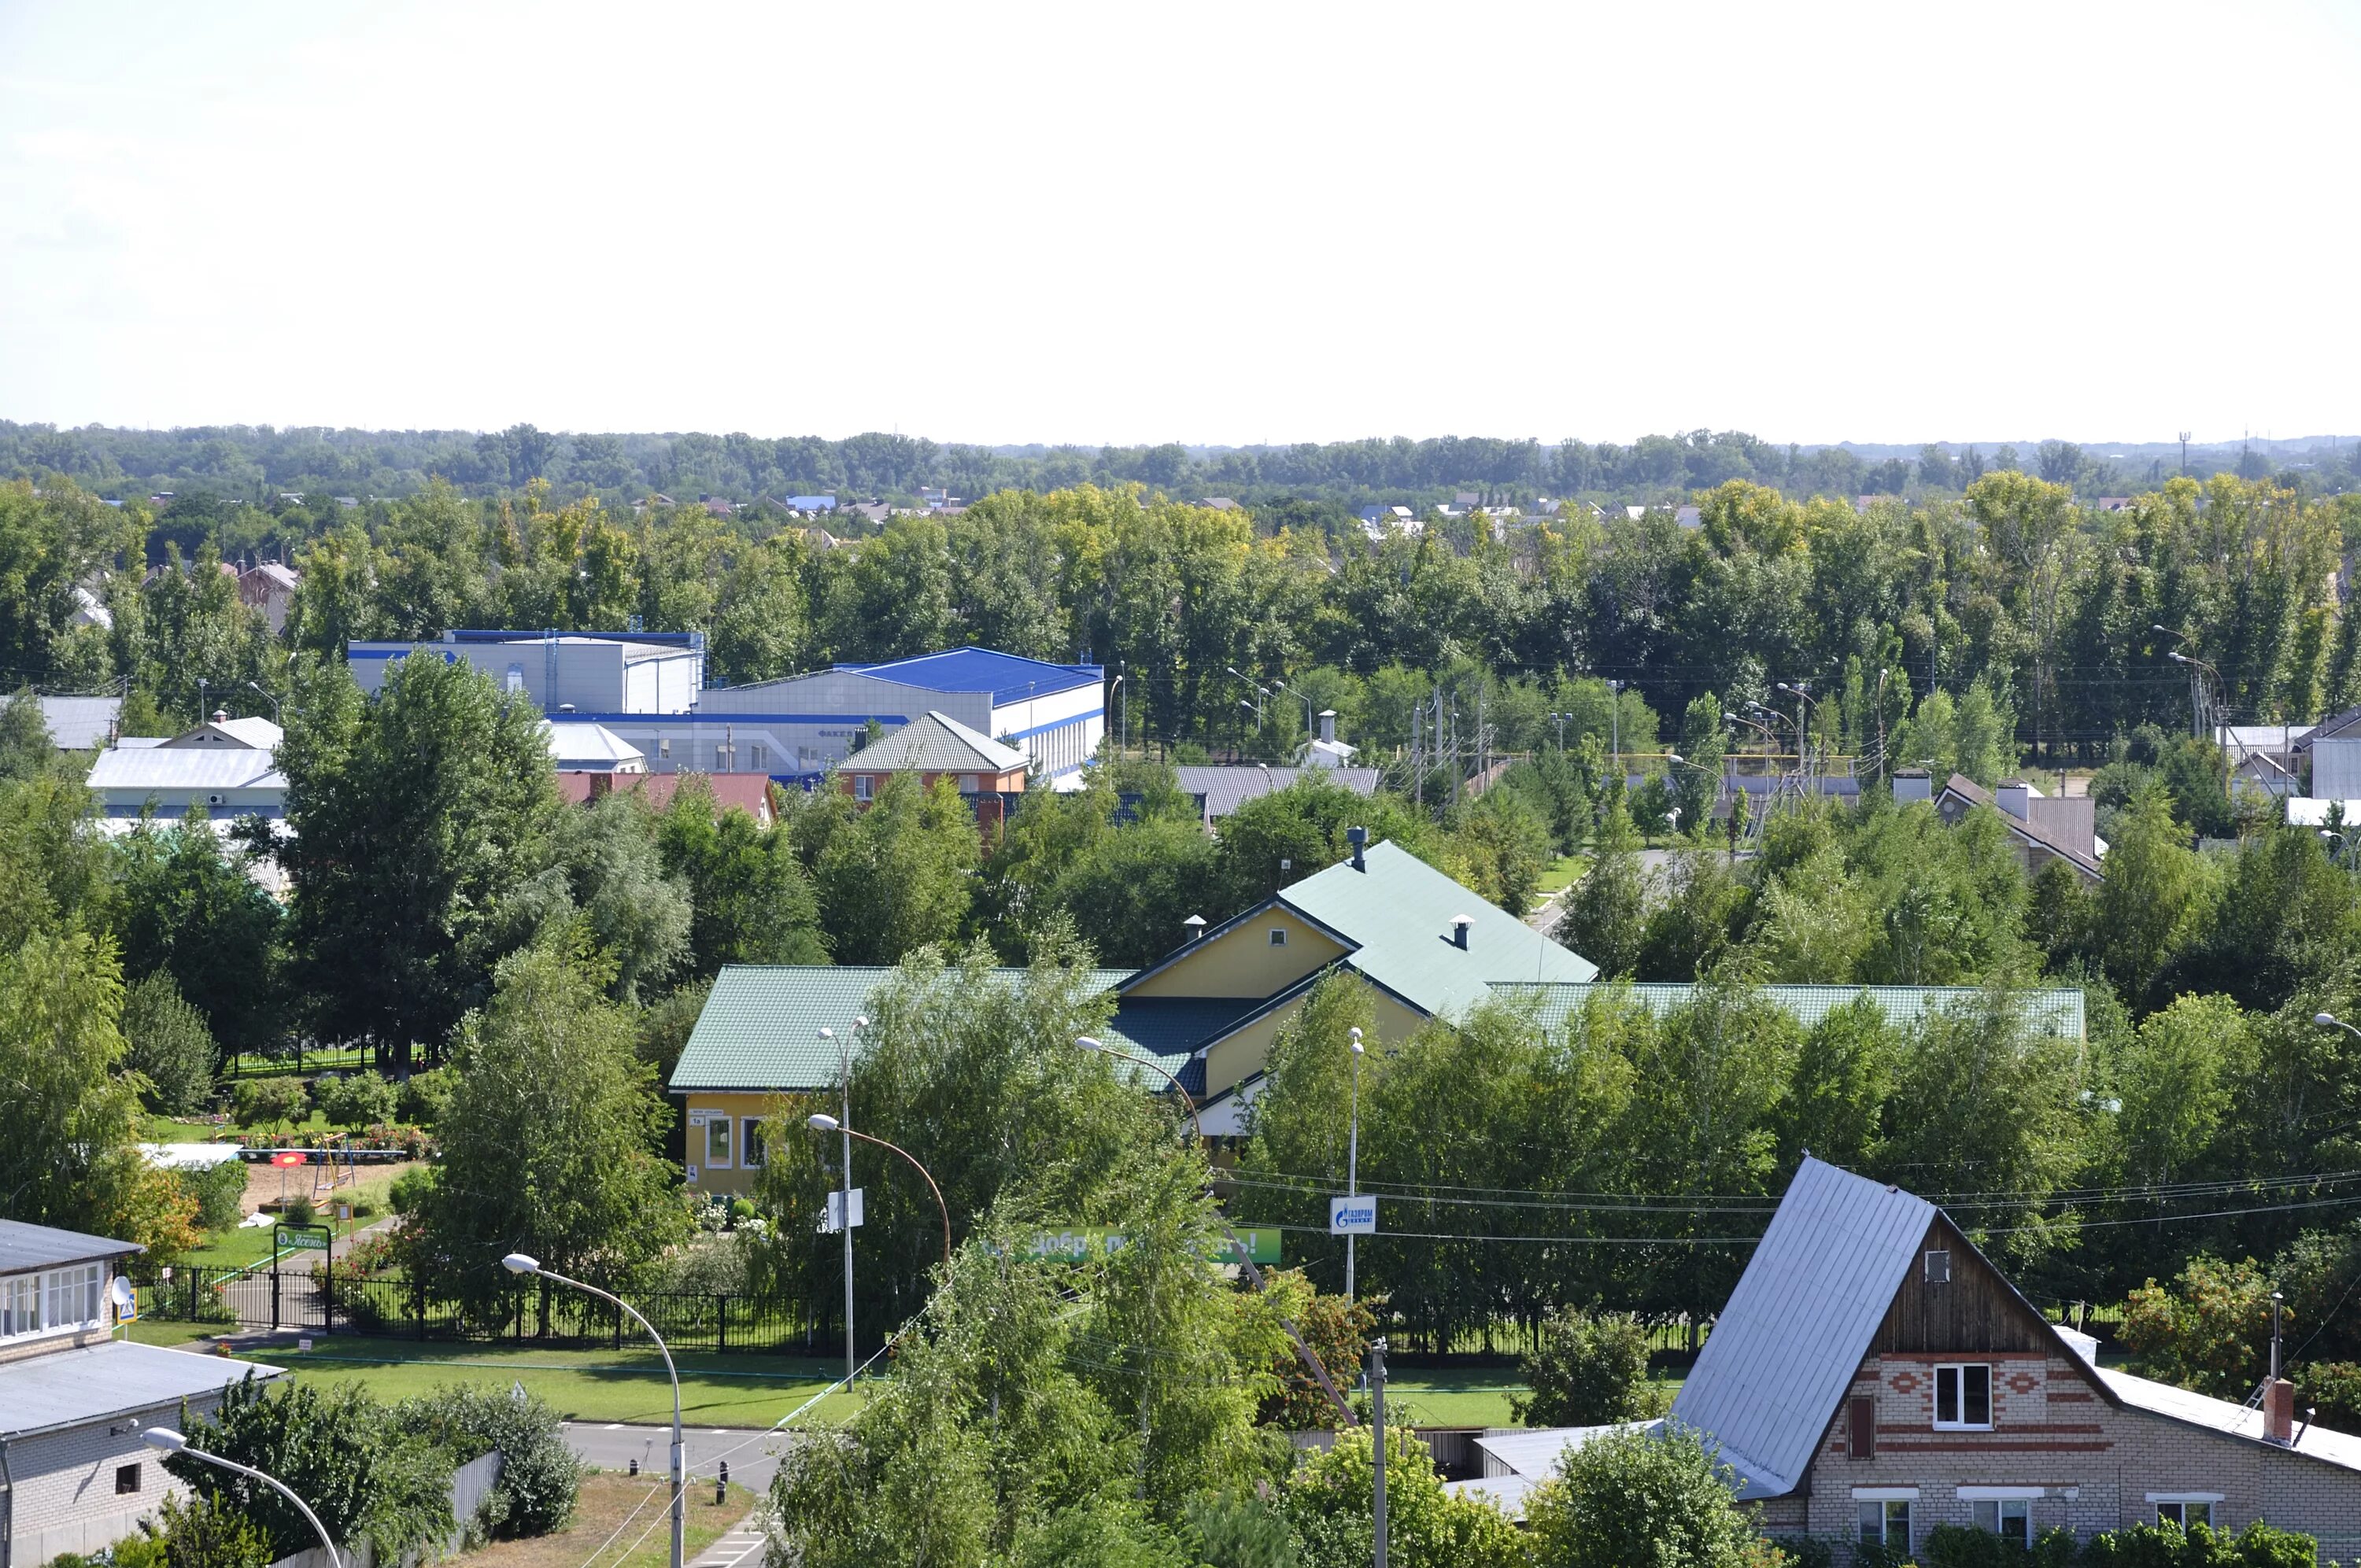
(759, 755)
(72, 1298)
(20, 1304)
(860, 786)
(1885, 1522)
(1279, 936)
(2011, 1519)
(1861, 1436)
(1963, 1397)
(717, 1141)
(663, 748)
(514, 683)
(750, 1144)
(127, 1480)
(2185, 1511)
(1939, 1268)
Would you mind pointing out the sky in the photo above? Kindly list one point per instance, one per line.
(1214, 224)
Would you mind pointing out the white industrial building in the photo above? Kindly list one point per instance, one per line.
(647, 692)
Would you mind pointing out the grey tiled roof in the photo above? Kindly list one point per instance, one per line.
(1785, 1349)
(935, 743)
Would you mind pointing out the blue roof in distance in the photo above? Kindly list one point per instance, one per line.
(1009, 677)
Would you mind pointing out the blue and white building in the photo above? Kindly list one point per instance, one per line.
(647, 690)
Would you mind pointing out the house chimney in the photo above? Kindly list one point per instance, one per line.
(1195, 927)
(1328, 725)
(221, 716)
(1359, 838)
(2014, 796)
(1913, 784)
(1459, 923)
(2279, 1412)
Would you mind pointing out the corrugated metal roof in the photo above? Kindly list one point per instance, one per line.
(2341, 1449)
(24, 1247)
(1785, 1347)
(1223, 789)
(145, 768)
(71, 1388)
(80, 723)
(760, 1028)
(1009, 677)
(935, 742)
(1398, 914)
(577, 742)
(2054, 1010)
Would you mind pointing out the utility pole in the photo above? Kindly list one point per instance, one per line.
(2184, 452)
(1378, 1425)
(1615, 725)
(1353, 1162)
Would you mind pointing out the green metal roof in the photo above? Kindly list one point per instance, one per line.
(2056, 1010)
(1399, 911)
(760, 1028)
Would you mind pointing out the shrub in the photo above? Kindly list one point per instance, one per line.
(2165, 1546)
(2208, 1331)
(1635, 1496)
(2333, 1389)
(540, 1478)
(219, 1191)
(355, 1100)
(299, 1211)
(1238, 1530)
(426, 1097)
(168, 1046)
(1338, 1333)
(267, 1102)
(1954, 1546)
(1588, 1371)
(206, 1531)
(1327, 1502)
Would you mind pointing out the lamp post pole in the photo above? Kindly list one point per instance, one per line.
(1353, 1163)
(844, 1065)
(826, 1123)
(165, 1440)
(519, 1263)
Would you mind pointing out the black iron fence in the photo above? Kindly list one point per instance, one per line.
(533, 1311)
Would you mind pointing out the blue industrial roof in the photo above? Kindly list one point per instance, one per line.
(1009, 677)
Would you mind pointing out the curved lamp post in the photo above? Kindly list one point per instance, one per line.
(2331, 1021)
(519, 1263)
(1237, 1244)
(165, 1440)
(824, 1122)
(1353, 1160)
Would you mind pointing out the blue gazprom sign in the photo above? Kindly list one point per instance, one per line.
(1352, 1216)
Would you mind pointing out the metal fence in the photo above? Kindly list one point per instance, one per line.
(389, 1305)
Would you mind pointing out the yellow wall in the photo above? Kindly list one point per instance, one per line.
(1240, 1055)
(1242, 963)
(736, 1176)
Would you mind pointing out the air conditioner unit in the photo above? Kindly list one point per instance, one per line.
(214, 800)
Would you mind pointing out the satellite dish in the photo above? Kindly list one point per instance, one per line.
(120, 1292)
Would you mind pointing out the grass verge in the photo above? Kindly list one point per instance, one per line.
(620, 1523)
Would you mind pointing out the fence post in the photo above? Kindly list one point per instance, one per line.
(274, 1296)
(418, 1297)
(720, 1323)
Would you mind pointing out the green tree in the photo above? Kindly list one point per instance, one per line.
(750, 901)
(1696, 780)
(2175, 1084)
(192, 909)
(2153, 900)
(1329, 1502)
(1607, 910)
(168, 1045)
(894, 877)
(2210, 1330)
(411, 818)
(549, 1144)
(1588, 1370)
(1639, 1496)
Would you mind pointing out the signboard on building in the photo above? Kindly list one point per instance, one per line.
(1352, 1216)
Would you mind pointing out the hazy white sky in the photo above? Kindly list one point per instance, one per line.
(1205, 223)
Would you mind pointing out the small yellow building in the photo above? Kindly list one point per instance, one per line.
(1207, 1012)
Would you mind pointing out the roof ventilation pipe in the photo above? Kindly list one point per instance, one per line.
(1193, 928)
(1459, 923)
(1359, 838)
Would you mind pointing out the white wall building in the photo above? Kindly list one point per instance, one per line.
(594, 676)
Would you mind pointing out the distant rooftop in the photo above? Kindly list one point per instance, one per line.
(1009, 677)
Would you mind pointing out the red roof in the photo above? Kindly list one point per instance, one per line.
(749, 792)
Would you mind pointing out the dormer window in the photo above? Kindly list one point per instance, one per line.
(1963, 1397)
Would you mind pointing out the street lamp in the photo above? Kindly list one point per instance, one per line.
(2331, 1021)
(277, 711)
(844, 1067)
(519, 1263)
(824, 1122)
(165, 1440)
(1237, 1244)
(1353, 1160)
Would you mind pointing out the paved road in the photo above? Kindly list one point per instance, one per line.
(751, 1453)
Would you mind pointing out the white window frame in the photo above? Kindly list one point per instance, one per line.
(762, 756)
(65, 1300)
(1995, 1515)
(860, 786)
(717, 1125)
(2182, 1502)
(1884, 1500)
(1959, 1371)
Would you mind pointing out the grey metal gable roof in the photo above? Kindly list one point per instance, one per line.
(2053, 1010)
(68, 1389)
(1785, 1347)
(935, 742)
(24, 1247)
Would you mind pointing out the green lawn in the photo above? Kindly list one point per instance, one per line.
(1458, 1396)
(1564, 873)
(588, 1385)
(159, 1129)
(242, 1245)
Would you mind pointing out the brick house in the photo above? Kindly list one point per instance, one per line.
(1874, 1375)
(74, 1473)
